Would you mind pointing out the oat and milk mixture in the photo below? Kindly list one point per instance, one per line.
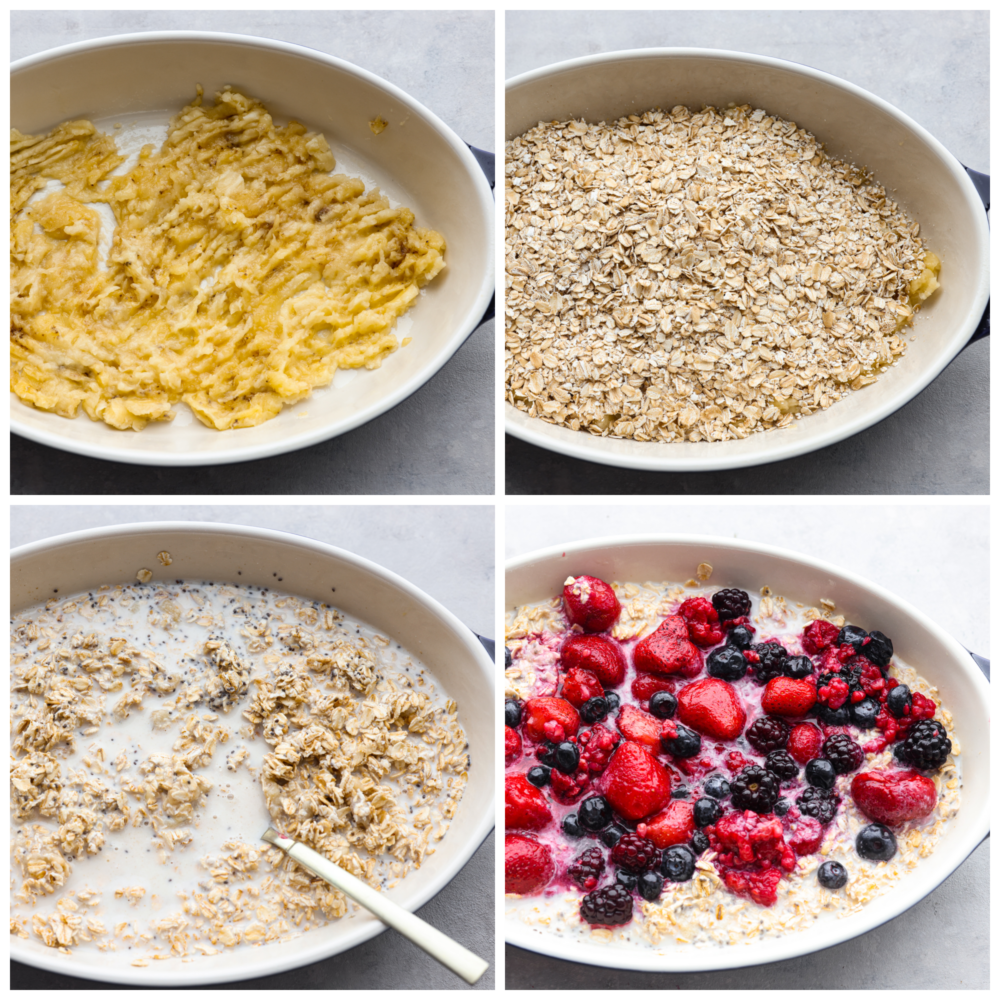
(159, 729)
(698, 276)
(705, 907)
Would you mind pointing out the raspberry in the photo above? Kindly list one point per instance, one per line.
(843, 753)
(767, 734)
(806, 836)
(731, 603)
(586, 868)
(818, 803)
(610, 906)
(634, 853)
(754, 788)
(760, 886)
(770, 663)
(832, 690)
(596, 748)
(702, 621)
(819, 635)
(567, 788)
(926, 746)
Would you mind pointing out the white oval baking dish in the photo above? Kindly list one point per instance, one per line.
(855, 125)
(231, 553)
(937, 656)
(418, 161)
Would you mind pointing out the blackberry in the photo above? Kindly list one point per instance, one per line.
(594, 710)
(716, 786)
(612, 834)
(566, 757)
(780, 762)
(899, 700)
(781, 807)
(610, 906)
(586, 867)
(663, 705)
(614, 702)
(843, 753)
(706, 812)
(506, 657)
(768, 733)
(876, 843)
(726, 662)
(832, 875)
(571, 825)
(741, 637)
(634, 853)
(700, 842)
(678, 863)
(864, 713)
(798, 667)
(650, 886)
(595, 813)
(879, 650)
(681, 793)
(926, 746)
(771, 662)
(512, 712)
(539, 776)
(851, 635)
(627, 879)
(685, 744)
(731, 603)
(820, 773)
(755, 788)
(833, 716)
(818, 803)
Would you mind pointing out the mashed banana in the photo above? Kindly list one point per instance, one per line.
(241, 274)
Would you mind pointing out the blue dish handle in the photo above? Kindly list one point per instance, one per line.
(982, 662)
(487, 163)
(489, 645)
(981, 182)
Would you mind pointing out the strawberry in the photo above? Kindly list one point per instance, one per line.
(804, 742)
(807, 835)
(511, 745)
(528, 864)
(596, 747)
(636, 784)
(760, 886)
(675, 825)
(590, 603)
(580, 685)
(788, 697)
(552, 719)
(598, 654)
(668, 650)
(893, 797)
(712, 707)
(525, 806)
(702, 621)
(819, 635)
(646, 685)
(640, 727)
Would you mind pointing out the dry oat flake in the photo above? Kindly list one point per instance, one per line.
(699, 276)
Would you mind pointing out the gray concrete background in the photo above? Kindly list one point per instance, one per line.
(448, 552)
(441, 439)
(920, 553)
(945, 87)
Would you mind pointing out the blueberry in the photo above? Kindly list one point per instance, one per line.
(706, 812)
(832, 875)
(876, 843)
(663, 705)
(650, 886)
(567, 757)
(595, 813)
(678, 863)
(726, 662)
(781, 807)
(627, 879)
(820, 773)
(613, 701)
(571, 826)
(612, 835)
(681, 793)
(594, 710)
(512, 713)
(546, 753)
(716, 786)
(700, 842)
(506, 657)
(798, 667)
(879, 650)
(851, 635)
(834, 716)
(539, 776)
(899, 700)
(685, 744)
(740, 637)
(864, 713)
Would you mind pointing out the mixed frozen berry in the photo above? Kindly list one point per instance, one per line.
(636, 789)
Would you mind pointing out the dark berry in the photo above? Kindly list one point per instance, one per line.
(685, 744)
(706, 811)
(610, 906)
(726, 662)
(634, 853)
(512, 713)
(700, 842)
(780, 762)
(864, 713)
(650, 886)
(741, 637)
(768, 733)
(833, 716)
(832, 875)
(627, 879)
(818, 803)
(716, 786)
(539, 776)
(843, 753)
(681, 793)
(595, 813)
(506, 657)
(851, 635)
(731, 603)
(798, 667)
(546, 753)
(876, 843)
(614, 702)
(587, 868)
(926, 745)
(771, 661)
(663, 705)
(678, 863)
(755, 788)
(899, 700)
(594, 710)
(567, 757)
(571, 826)
(879, 650)
(820, 773)
(612, 835)
(781, 807)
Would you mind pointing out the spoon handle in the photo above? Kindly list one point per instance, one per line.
(448, 952)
